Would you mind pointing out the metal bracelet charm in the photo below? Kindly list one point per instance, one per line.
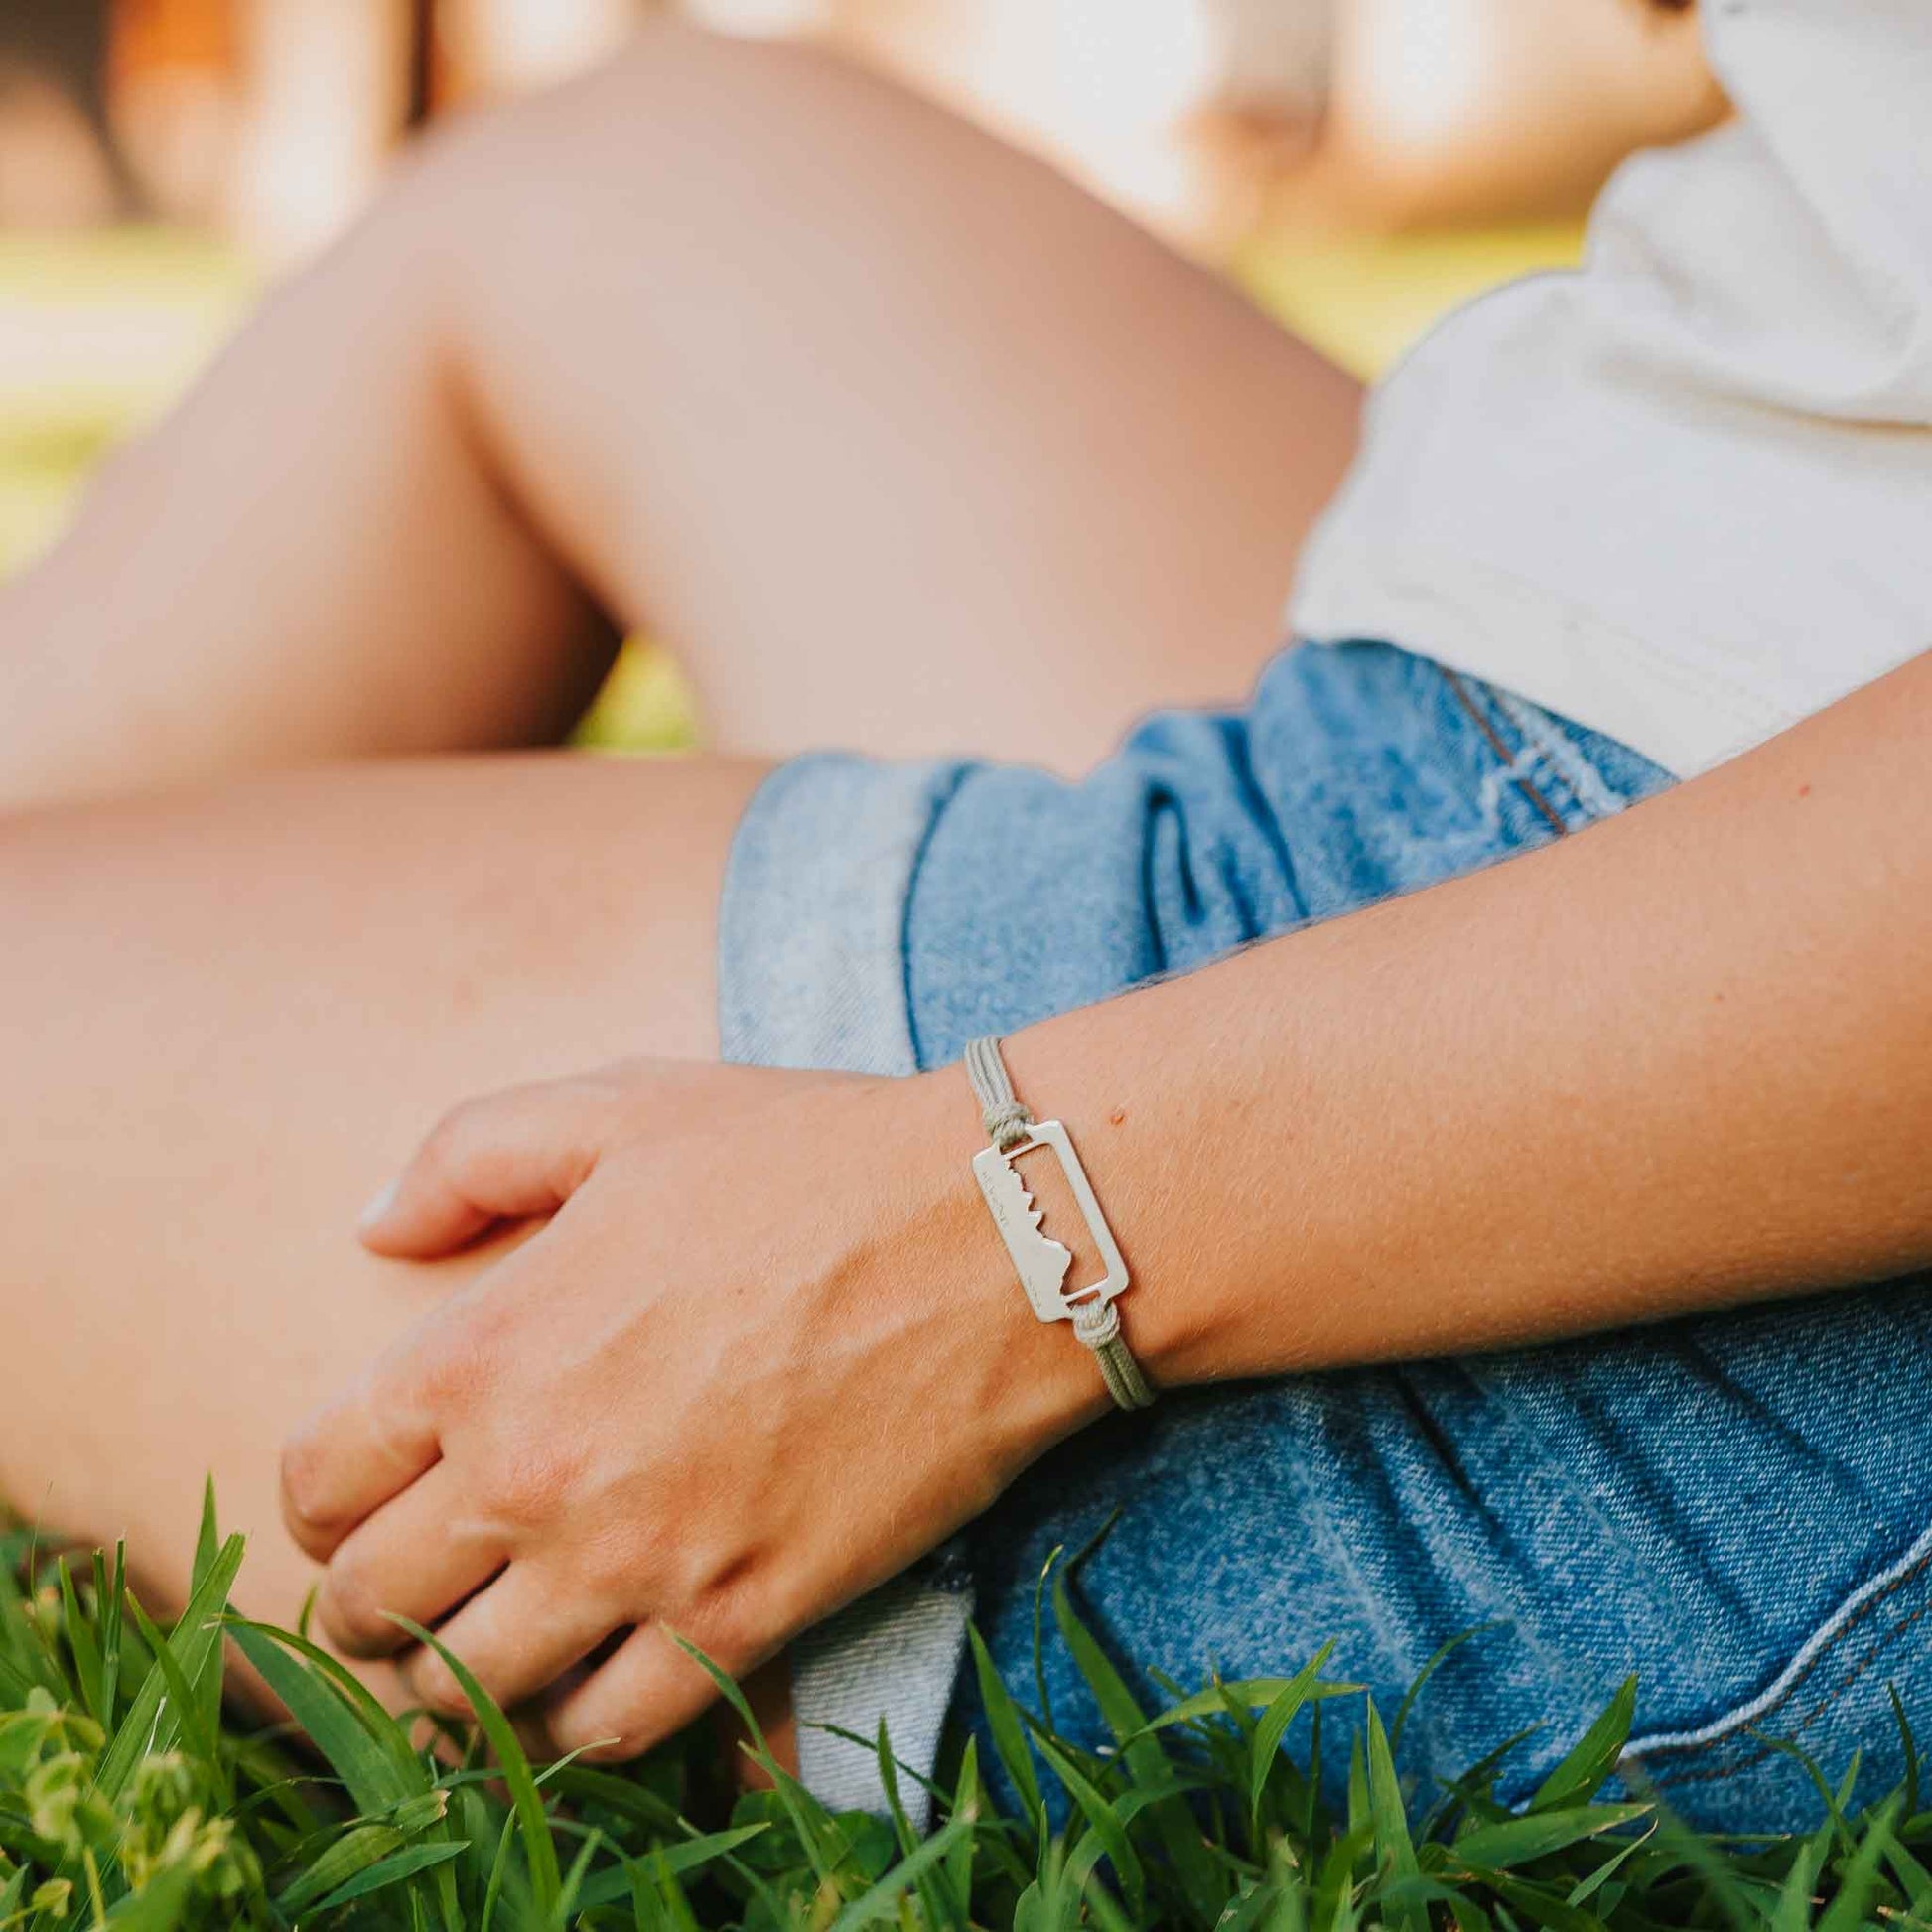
(1043, 1263)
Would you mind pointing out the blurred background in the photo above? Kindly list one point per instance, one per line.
(1359, 165)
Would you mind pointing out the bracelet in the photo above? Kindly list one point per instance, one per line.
(1043, 1263)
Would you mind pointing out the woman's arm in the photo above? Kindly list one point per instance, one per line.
(1680, 1061)
(1497, 110)
(770, 1349)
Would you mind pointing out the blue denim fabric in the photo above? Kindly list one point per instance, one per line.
(1739, 1508)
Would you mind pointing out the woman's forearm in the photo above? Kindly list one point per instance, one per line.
(1682, 1061)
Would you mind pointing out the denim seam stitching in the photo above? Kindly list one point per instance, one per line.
(1594, 797)
(1512, 761)
(1851, 1610)
(1737, 1765)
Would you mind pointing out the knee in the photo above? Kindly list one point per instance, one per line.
(674, 92)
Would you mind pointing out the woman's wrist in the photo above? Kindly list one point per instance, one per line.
(1130, 1108)
(1129, 1112)
(1047, 1386)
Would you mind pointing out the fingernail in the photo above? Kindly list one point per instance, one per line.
(379, 1209)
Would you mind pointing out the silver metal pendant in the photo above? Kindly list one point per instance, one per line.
(1043, 1263)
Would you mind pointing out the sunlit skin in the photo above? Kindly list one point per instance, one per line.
(865, 439)
(1678, 1062)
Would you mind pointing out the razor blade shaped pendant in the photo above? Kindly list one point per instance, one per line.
(1043, 1263)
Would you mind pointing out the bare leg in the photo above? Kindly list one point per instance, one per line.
(225, 1017)
(903, 441)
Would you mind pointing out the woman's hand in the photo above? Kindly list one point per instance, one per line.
(768, 1353)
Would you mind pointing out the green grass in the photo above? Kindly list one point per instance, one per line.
(131, 1797)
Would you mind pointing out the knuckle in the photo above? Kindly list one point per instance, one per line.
(444, 1372)
(603, 1095)
(612, 1568)
(453, 1142)
(306, 1502)
(532, 1484)
(735, 1625)
(604, 1732)
(434, 1686)
(352, 1611)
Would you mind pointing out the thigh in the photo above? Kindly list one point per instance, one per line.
(905, 441)
(899, 439)
(311, 558)
(227, 1019)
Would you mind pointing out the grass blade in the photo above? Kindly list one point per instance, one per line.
(1591, 1759)
(81, 1640)
(1793, 1914)
(1105, 1821)
(1141, 1749)
(881, 1899)
(1441, 1656)
(669, 1861)
(1250, 1693)
(1266, 1743)
(148, 1727)
(1521, 1840)
(358, 1851)
(539, 1847)
(397, 1869)
(809, 1819)
(370, 1775)
(110, 1595)
(1908, 1745)
(1846, 1911)
(1389, 1818)
(1009, 1744)
(202, 1737)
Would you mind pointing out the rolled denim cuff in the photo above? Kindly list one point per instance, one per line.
(811, 974)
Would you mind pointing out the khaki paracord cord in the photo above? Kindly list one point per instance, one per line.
(1043, 1263)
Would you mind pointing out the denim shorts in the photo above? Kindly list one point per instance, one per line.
(1737, 1508)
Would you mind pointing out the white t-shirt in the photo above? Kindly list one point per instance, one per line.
(1684, 493)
